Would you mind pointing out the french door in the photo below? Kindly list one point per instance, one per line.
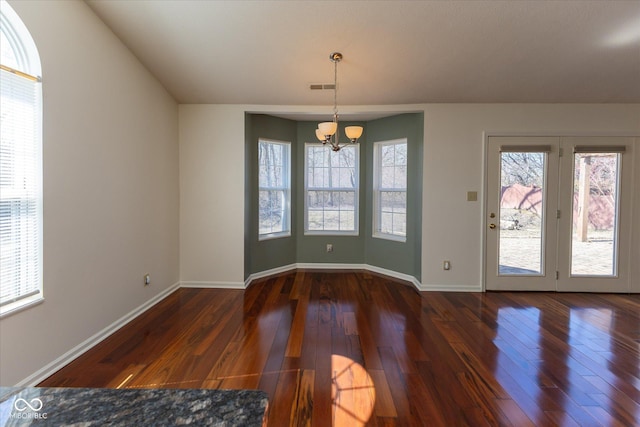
(558, 212)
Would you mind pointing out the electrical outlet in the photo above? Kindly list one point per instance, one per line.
(329, 247)
(147, 279)
(446, 265)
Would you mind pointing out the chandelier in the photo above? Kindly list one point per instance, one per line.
(327, 132)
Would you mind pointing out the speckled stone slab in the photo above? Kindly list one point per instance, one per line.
(80, 407)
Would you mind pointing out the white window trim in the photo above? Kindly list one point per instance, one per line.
(377, 166)
(286, 189)
(356, 191)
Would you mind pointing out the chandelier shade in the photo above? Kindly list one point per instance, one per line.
(353, 132)
(327, 132)
(328, 128)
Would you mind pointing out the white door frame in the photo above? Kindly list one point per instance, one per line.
(626, 250)
(546, 280)
(620, 282)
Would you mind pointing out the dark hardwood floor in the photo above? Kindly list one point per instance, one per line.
(353, 348)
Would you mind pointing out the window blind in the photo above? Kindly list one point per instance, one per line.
(20, 188)
(525, 149)
(599, 149)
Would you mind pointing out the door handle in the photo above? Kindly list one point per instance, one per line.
(492, 226)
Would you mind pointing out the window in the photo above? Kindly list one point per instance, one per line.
(390, 190)
(331, 190)
(20, 166)
(274, 189)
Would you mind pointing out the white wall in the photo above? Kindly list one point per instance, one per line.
(211, 148)
(111, 197)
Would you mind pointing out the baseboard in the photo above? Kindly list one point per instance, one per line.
(334, 266)
(396, 275)
(450, 288)
(51, 368)
(267, 273)
(214, 285)
(331, 266)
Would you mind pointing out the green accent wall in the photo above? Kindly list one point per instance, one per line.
(401, 257)
(271, 253)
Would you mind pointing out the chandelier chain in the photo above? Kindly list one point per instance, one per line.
(335, 88)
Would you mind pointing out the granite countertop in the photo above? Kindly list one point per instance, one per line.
(83, 407)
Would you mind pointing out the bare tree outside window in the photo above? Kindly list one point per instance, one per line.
(331, 189)
(274, 188)
(390, 189)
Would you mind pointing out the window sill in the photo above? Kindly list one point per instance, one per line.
(272, 236)
(401, 239)
(331, 233)
(18, 306)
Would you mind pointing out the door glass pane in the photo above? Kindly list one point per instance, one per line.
(522, 177)
(595, 214)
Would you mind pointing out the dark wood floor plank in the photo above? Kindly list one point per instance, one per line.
(288, 382)
(432, 359)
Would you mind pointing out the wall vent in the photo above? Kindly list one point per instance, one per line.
(329, 86)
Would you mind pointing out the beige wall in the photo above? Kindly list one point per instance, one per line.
(212, 194)
(110, 187)
(453, 154)
(635, 239)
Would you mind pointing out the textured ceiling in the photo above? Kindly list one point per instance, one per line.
(395, 52)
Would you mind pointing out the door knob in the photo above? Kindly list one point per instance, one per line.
(492, 226)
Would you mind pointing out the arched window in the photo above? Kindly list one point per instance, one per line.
(20, 165)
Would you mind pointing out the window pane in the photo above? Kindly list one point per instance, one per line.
(393, 208)
(521, 213)
(400, 177)
(331, 210)
(272, 167)
(595, 219)
(272, 212)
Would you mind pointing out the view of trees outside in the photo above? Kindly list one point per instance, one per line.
(391, 188)
(274, 187)
(521, 210)
(594, 225)
(523, 168)
(593, 215)
(332, 188)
